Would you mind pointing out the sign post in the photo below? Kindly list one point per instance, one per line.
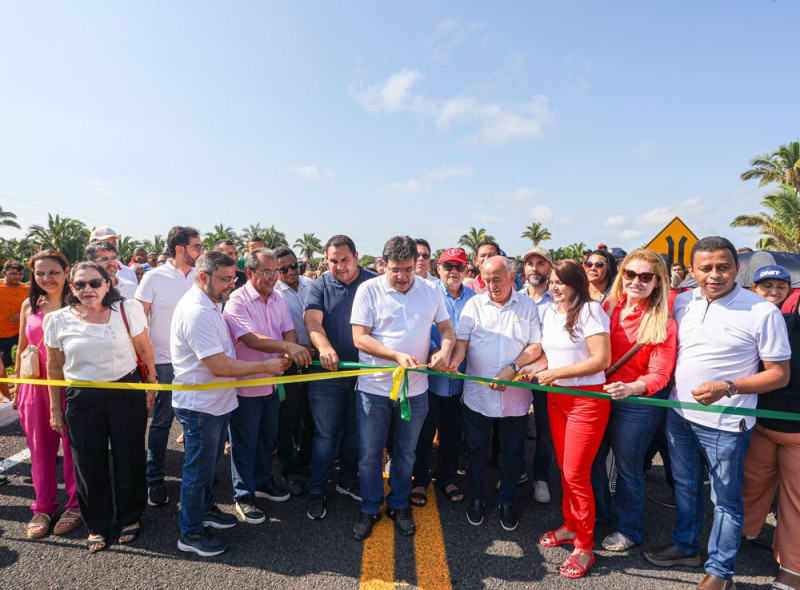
(676, 241)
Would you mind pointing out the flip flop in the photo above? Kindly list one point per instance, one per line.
(129, 532)
(96, 545)
(419, 499)
(451, 495)
(36, 523)
(69, 521)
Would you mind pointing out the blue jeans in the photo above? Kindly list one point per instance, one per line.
(158, 436)
(333, 410)
(444, 415)
(375, 413)
(253, 430)
(543, 454)
(631, 428)
(691, 447)
(478, 441)
(204, 444)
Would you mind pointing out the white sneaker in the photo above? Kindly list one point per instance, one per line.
(541, 492)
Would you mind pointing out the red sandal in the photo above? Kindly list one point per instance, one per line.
(572, 568)
(550, 538)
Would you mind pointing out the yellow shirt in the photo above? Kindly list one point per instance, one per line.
(11, 299)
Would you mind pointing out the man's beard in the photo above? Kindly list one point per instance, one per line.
(536, 280)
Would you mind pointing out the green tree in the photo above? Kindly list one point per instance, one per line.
(472, 238)
(125, 247)
(7, 219)
(68, 236)
(781, 166)
(536, 233)
(308, 245)
(780, 223)
(251, 231)
(220, 232)
(571, 252)
(157, 245)
(15, 249)
(274, 238)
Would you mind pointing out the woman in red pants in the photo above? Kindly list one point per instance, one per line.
(575, 339)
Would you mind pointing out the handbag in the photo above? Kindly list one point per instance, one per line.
(142, 367)
(29, 362)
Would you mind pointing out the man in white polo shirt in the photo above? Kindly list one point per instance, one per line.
(159, 293)
(724, 333)
(392, 317)
(202, 352)
(499, 332)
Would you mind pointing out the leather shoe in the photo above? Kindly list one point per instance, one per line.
(475, 511)
(712, 582)
(508, 517)
(669, 555)
(403, 521)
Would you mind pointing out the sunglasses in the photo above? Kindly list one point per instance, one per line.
(293, 266)
(425, 256)
(81, 285)
(448, 266)
(588, 264)
(644, 277)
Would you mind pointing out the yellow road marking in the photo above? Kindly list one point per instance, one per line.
(432, 570)
(377, 561)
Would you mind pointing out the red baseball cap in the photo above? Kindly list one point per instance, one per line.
(453, 255)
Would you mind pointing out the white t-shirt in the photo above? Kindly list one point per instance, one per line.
(724, 340)
(296, 300)
(198, 332)
(497, 336)
(126, 288)
(400, 321)
(95, 352)
(162, 288)
(562, 351)
(127, 273)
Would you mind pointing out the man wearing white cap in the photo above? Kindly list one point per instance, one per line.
(106, 234)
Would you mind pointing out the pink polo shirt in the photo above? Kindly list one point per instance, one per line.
(247, 313)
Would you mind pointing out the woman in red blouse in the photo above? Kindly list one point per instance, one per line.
(640, 316)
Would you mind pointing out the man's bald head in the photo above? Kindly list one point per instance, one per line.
(498, 274)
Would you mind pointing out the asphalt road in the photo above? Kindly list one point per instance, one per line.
(291, 551)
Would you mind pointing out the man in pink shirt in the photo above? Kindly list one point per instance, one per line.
(261, 327)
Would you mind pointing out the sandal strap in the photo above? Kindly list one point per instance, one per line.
(34, 522)
(781, 586)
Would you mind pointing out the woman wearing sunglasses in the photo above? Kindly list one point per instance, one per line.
(47, 292)
(643, 352)
(773, 459)
(98, 337)
(601, 269)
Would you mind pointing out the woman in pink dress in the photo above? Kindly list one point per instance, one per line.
(47, 291)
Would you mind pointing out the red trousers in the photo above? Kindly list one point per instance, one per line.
(577, 424)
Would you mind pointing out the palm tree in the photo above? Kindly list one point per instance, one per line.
(125, 247)
(68, 236)
(274, 238)
(573, 252)
(252, 230)
(781, 166)
(7, 219)
(157, 245)
(472, 238)
(308, 245)
(780, 223)
(220, 232)
(536, 233)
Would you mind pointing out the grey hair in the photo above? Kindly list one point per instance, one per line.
(252, 262)
(211, 262)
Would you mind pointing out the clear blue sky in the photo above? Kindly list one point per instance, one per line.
(601, 120)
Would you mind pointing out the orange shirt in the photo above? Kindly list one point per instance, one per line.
(11, 299)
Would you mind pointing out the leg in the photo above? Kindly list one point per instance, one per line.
(127, 414)
(286, 423)
(478, 442)
(760, 480)
(304, 428)
(158, 437)
(451, 426)
(424, 451)
(266, 437)
(244, 431)
(557, 407)
(374, 415)
(406, 434)
(349, 450)
(512, 448)
(543, 455)
(328, 404)
(787, 550)
(34, 417)
(599, 477)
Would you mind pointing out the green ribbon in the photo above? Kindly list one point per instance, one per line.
(281, 392)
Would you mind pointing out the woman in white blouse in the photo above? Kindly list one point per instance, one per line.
(88, 341)
(575, 340)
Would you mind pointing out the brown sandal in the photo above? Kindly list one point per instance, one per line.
(69, 521)
(41, 521)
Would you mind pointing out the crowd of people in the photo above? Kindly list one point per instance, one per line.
(613, 323)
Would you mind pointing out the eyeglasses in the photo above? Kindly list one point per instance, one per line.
(227, 280)
(267, 274)
(644, 277)
(589, 264)
(448, 266)
(424, 256)
(293, 266)
(104, 259)
(196, 247)
(400, 271)
(81, 285)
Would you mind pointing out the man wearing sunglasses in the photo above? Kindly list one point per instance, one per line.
(422, 267)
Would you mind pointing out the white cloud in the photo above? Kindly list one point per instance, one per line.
(485, 218)
(663, 215)
(540, 213)
(644, 149)
(312, 173)
(614, 221)
(519, 196)
(389, 97)
(444, 172)
(449, 35)
(501, 124)
(411, 186)
(630, 234)
(569, 221)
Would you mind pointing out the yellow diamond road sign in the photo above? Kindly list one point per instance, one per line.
(676, 241)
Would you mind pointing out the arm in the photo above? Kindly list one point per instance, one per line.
(459, 353)
(327, 355)
(660, 365)
(222, 365)
(599, 359)
(295, 352)
(774, 376)
(55, 370)
(143, 348)
(440, 360)
(364, 341)
(146, 308)
(526, 357)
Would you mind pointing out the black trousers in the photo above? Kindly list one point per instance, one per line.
(295, 427)
(446, 415)
(95, 417)
(6, 344)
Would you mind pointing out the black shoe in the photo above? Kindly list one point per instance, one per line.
(273, 490)
(663, 498)
(353, 490)
(3, 480)
(249, 512)
(403, 521)
(475, 511)
(669, 555)
(363, 527)
(204, 543)
(508, 517)
(157, 494)
(315, 509)
(218, 519)
(294, 486)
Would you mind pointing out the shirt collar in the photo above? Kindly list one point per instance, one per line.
(389, 289)
(513, 300)
(204, 300)
(253, 295)
(726, 300)
(446, 293)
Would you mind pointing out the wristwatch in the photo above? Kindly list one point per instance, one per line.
(731, 389)
(515, 366)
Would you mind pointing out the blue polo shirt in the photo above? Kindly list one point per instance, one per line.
(444, 386)
(335, 300)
